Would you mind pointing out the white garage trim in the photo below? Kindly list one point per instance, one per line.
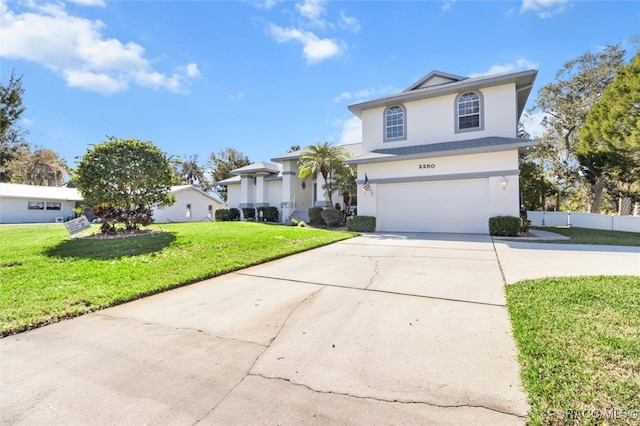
(434, 206)
(456, 176)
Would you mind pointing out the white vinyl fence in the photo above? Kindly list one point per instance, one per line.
(585, 220)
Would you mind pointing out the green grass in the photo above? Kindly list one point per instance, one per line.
(579, 348)
(593, 236)
(45, 275)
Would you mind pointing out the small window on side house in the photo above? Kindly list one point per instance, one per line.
(54, 206)
(35, 205)
(188, 211)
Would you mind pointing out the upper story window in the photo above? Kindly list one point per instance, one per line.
(395, 123)
(469, 112)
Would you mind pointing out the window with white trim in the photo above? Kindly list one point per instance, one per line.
(469, 112)
(54, 205)
(35, 205)
(395, 123)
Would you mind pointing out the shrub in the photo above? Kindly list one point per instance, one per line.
(361, 224)
(504, 226)
(249, 213)
(295, 222)
(315, 216)
(269, 214)
(301, 224)
(225, 215)
(332, 217)
(234, 214)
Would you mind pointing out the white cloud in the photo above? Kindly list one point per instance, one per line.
(266, 4)
(448, 4)
(365, 94)
(100, 3)
(312, 9)
(237, 96)
(520, 64)
(75, 48)
(533, 123)
(349, 23)
(544, 8)
(97, 82)
(191, 70)
(315, 49)
(351, 130)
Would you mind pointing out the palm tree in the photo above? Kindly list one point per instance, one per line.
(322, 158)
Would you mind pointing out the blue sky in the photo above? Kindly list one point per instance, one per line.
(196, 77)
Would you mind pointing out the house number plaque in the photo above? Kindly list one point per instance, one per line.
(426, 166)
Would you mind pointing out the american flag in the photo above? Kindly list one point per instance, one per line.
(366, 185)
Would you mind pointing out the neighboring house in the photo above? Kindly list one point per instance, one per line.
(441, 156)
(46, 204)
(37, 204)
(192, 205)
(264, 184)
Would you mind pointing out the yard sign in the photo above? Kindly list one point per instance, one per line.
(77, 225)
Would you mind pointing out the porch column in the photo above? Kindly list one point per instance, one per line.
(246, 191)
(260, 191)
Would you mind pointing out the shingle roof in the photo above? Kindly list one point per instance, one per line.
(257, 167)
(468, 146)
(293, 155)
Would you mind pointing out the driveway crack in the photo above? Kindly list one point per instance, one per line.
(167, 327)
(284, 323)
(390, 401)
(376, 271)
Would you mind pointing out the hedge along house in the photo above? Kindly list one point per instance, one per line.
(442, 156)
(37, 204)
(263, 184)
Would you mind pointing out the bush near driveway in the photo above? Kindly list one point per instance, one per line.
(504, 226)
(361, 223)
(46, 276)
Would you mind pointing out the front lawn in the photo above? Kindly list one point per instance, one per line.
(593, 236)
(579, 348)
(45, 275)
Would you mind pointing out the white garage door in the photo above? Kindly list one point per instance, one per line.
(440, 206)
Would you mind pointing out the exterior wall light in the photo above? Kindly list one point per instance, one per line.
(503, 183)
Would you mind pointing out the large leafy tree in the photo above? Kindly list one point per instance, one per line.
(11, 137)
(189, 172)
(122, 179)
(40, 167)
(324, 159)
(221, 164)
(609, 144)
(565, 104)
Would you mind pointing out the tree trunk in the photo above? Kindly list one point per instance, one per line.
(624, 206)
(597, 188)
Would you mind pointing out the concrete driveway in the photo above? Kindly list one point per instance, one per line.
(379, 329)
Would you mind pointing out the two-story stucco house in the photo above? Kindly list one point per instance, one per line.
(441, 156)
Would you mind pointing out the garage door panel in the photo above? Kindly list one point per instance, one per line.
(438, 206)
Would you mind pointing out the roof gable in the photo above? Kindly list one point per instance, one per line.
(180, 188)
(523, 81)
(435, 78)
(258, 167)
